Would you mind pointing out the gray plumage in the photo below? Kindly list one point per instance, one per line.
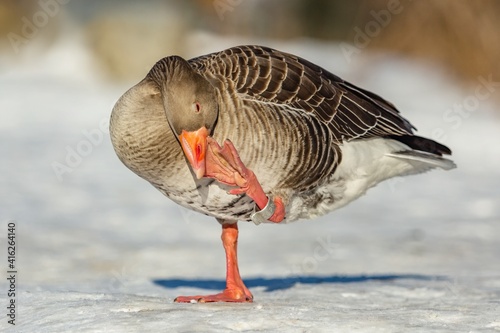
(311, 138)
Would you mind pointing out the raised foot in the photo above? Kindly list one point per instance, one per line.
(224, 164)
(228, 295)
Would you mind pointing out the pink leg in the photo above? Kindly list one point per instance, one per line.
(235, 291)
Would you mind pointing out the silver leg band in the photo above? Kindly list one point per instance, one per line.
(263, 215)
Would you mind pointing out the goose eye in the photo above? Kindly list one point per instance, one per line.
(196, 107)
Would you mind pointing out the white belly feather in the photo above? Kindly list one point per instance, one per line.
(365, 163)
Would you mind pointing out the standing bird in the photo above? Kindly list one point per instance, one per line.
(297, 141)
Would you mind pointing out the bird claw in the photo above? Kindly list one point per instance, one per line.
(224, 164)
(236, 295)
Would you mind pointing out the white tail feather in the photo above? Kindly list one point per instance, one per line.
(428, 159)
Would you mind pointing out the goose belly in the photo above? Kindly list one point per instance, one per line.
(208, 197)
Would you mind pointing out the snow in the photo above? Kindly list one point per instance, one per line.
(102, 251)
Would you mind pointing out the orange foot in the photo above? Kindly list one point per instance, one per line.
(228, 295)
(224, 164)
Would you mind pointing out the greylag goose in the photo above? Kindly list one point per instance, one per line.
(297, 141)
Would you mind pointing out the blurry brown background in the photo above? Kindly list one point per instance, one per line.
(462, 35)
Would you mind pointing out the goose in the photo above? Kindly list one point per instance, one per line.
(251, 133)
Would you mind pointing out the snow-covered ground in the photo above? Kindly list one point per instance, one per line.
(100, 250)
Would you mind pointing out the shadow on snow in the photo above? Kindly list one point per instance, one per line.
(272, 284)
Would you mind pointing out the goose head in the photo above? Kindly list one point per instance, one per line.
(191, 107)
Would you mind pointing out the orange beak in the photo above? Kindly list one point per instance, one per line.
(194, 145)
